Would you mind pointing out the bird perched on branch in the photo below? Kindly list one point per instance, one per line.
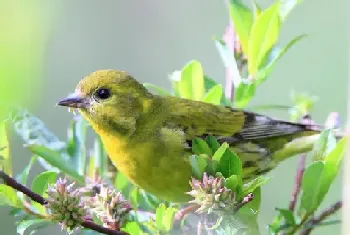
(147, 136)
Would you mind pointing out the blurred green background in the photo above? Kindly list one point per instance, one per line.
(151, 39)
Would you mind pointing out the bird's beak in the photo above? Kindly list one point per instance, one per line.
(74, 101)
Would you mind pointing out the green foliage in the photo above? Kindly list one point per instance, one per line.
(252, 61)
(318, 178)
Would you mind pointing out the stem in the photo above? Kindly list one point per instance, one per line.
(246, 199)
(9, 181)
(297, 184)
(181, 213)
(317, 220)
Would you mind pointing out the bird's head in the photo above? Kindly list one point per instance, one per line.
(108, 96)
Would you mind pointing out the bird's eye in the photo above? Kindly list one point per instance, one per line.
(103, 93)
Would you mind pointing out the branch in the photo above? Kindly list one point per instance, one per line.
(9, 181)
(317, 220)
(181, 213)
(246, 199)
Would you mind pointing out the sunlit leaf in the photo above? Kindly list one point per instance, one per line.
(5, 161)
(214, 95)
(286, 6)
(220, 152)
(242, 18)
(8, 196)
(325, 143)
(191, 85)
(264, 35)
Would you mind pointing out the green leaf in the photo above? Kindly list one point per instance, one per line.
(199, 146)
(22, 177)
(264, 35)
(325, 143)
(54, 159)
(41, 182)
(214, 95)
(8, 196)
(242, 18)
(265, 71)
(5, 160)
(230, 164)
(244, 93)
(232, 182)
(318, 178)
(165, 217)
(191, 85)
(253, 184)
(212, 143)
(157, 89)
(198, 164)
(24, 226)
(220, 152)
(287, 215)
(168, 219)
(208, 84)
(133, 228)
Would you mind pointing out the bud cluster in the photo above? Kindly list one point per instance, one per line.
(110, 206)
(211, 194)
(65, 205)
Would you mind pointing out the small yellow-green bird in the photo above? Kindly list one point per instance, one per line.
(147, 136)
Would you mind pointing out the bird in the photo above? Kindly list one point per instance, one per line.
(148, 137)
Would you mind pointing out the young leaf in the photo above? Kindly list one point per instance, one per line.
(214, 95)
(157, 89)
(199, 146)
(242, 18)
(255, 183)
(168, 219)
(54, 159)
(8, 196)
(287, 215)
(218, 154)
(318, 178)
(198, 164)
(133, 228)
(232, 182)
(244, 93)
(212, 143)
(41, 182)
(230, 164)
(5, 151)
(264, 72)
(159, 216)
(264, 35)
(191, 85)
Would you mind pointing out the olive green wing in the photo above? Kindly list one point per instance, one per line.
(199, 119)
